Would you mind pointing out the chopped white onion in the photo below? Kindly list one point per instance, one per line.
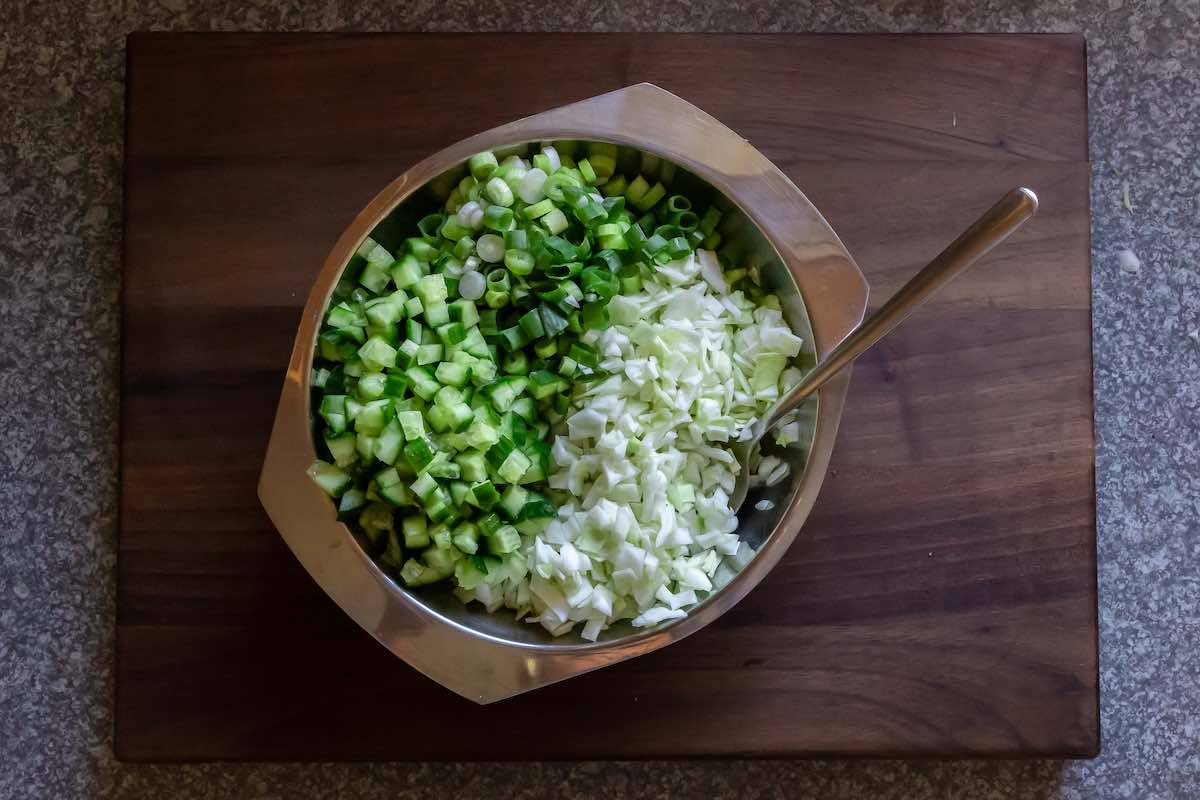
(471, 285)
(490, 248)
(531, 188)
(653, 437)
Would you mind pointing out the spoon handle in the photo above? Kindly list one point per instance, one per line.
(996, 224)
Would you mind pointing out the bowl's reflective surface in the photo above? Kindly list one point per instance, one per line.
(773, 227)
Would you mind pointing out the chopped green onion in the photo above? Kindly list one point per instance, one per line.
(431, 224)
(562, 272)
(615, 187)
(587, 171)
(553, 323)
(499, 192)
(677, 203)
(555, 221)
(539, 209)
(499, 218)
(531, 324)
(519, 262)
(708, 222)
(599, 281)
(482, 165)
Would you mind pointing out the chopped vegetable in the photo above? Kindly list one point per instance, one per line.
(532, 396)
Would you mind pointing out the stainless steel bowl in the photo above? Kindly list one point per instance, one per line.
(488, 657)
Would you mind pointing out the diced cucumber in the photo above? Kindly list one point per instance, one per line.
(431, 289)
(429, 354)
(375, 275)
(531, 527)
(514, 467)
(513, 426)
(343, 315)
(392, 553)
(376, 520)
(333, 411)
(437, 314)
(421, 249)
(440, 535)
(504, 392)
(414, 331)
(415, 573)
(413, 307)
(515, 363)
(464, 311)
(377, 354)
(513, 501)
(500, 451)
(392, 489)
(466, 537)
(460, 416)
(447, 396)
(441, 559)
(406, 354)
(395, 385)
(389, 442)
(425, 487)
(483, 371)
(351, 501)
(384, 312)
(485, 495)
(523, 406)
(472, 467)
(438, 418)
(418, 453)
(364, 445)
(460, 492)
(481, 435)
(416, 533)
(341, 447)
(439, 507)
(423, 384)
(475, 344)
(329, 477)
(452, 374)
(504, 539)
(411, 423)
(542, 384)
(370, 387)
(442, 466)
(451, 333)
(373, 416)
(406, 273)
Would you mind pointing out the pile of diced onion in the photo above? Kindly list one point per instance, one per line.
(648, 530)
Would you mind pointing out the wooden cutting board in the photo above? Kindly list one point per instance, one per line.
(942, 600)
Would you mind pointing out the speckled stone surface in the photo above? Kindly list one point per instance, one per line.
(61, 102)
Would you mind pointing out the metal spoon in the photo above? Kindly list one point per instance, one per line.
(988, 231)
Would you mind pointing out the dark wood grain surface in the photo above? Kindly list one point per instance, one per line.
(942, 599)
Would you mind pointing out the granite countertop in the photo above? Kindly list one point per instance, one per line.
(61, 106)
